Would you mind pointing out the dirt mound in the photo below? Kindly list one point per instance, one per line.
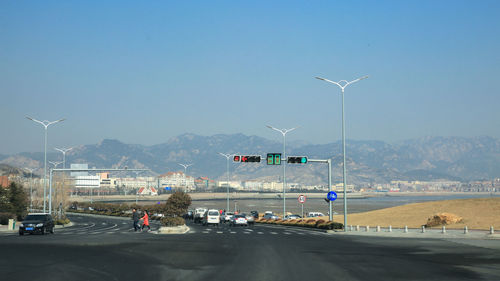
(443, 219)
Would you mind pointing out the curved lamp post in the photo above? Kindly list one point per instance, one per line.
(343, 84)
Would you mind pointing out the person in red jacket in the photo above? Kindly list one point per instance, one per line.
(146, 221)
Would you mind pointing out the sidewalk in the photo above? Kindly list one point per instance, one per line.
(417, 233)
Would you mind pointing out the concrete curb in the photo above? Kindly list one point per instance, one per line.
(415, 233)
(183, 229)
(64, 225)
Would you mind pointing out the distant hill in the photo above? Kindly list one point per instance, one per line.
(368, 162)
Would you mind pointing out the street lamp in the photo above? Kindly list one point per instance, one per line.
(46, 124)
(50, 187)
(227, 173)
(63, 150)
(185, 175)
(283, 132)
(31, 188)
(343, 84)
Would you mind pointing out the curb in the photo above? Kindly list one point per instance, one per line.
(183, 229)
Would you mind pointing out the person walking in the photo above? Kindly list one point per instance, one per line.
(135, 218)
(146, 221)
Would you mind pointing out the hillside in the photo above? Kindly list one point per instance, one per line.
(430, 158)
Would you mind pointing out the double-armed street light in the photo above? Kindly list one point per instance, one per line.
(31, 188)
(227, 173)
(185, 175)
(343, 84)
(50, 187)
(45, 124)
(63, 150)
(283, 132)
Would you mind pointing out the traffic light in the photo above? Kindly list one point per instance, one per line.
(236, 158)
(274, 159)
(250, 158)
(297, 160)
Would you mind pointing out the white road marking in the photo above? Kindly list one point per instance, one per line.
(260, 232)
(287, 233)
(205, 232)
(219, 232)
(272, 232)
(232, 232)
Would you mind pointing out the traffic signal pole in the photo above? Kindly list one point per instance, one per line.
(329, 162)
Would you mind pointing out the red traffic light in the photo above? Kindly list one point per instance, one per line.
(236, 158)
(250, 158)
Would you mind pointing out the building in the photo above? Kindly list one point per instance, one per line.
(4, 181)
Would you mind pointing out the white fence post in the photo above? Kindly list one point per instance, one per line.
(406, 229)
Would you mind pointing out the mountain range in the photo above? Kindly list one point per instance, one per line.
(368, 162)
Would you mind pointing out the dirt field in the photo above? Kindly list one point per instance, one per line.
(476, 213)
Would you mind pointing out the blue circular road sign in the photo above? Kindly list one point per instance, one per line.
(331, 196)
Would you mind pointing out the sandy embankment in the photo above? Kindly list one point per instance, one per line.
(476, 213)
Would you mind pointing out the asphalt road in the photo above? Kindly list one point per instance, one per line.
(104, 248)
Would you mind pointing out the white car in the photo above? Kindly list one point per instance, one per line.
(315, 214)
(211, 217)
(239, 220)
(199, 213)
(228, 216)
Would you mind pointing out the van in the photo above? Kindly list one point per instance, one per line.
(211, 217)
(199, 213)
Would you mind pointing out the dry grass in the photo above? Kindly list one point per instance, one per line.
(476, 213)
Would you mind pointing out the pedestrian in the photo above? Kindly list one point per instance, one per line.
(146, 221)
(135, 218)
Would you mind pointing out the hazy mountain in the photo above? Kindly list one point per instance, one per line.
(429, 158)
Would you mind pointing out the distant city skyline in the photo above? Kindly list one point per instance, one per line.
(143, 73)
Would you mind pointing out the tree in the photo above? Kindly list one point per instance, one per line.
(177, 204)
(18, 200)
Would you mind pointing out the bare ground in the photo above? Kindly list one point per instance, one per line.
(476, 213)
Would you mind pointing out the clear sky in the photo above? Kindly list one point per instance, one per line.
(143, 72)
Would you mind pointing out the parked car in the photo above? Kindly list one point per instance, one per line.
(292, 217)
(255, 214)
(211, 217)
(37, 223)
(239, 220)
(228, 217)
(199, 213)
(250, 219)
(270, 216)
(315, 214)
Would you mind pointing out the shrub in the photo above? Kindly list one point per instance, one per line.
(177, 204)
(4, 217)
(62, 221)
(173, 221)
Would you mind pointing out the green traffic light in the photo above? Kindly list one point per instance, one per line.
(303, 160)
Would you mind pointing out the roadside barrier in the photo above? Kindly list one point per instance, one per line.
(390, 228)
(406, 229)
(378, 228)
(443, 229)
(492, 231)
(423, 228)
(367, 228)
(466, 230)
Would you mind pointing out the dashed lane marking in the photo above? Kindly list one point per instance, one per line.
(274, 233)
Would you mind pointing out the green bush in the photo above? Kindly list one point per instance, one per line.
(173, 221)
(4, 217)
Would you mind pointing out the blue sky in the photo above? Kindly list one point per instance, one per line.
(145, 72)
